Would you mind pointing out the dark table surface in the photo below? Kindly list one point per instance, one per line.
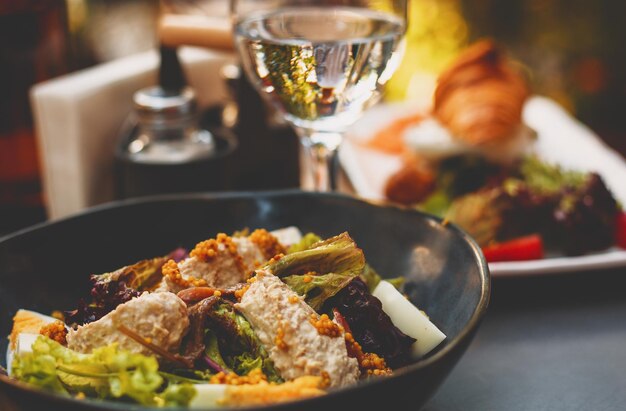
(549, 342)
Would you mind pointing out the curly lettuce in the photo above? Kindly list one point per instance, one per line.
(306, 242)
(106, 373)
(321, 269)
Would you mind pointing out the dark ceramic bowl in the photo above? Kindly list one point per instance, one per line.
(46, 268)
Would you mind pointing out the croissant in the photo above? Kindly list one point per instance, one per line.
(480, 97)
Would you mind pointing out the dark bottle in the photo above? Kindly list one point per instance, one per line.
(167, 148)
(269, 147)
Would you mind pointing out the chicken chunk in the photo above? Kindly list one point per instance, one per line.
(222, 262)
(158, 317)
(283, 323)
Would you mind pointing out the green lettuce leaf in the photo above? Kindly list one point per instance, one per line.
(337, 254)
(213, 350)
(544, 178)
(321, 271)
(143, 275)
(319, 288)
(247, 362)
(238, 345)
(307, 241)
(372, 279)
(106, 373)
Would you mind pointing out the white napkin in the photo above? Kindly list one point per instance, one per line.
(78, 118)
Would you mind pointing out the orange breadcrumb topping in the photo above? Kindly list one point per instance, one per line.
(307, 278)
(369, 363)
(275, 259)
(55, 331)
(267, 243)
(240, 292)
(209, 249)
(270, 393)
(205, 250)
(255, 376)
(279, 340)
(170, 270)
(326, 326)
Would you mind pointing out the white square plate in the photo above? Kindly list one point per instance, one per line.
(561, 139)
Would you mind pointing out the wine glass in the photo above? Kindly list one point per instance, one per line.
(321, 64)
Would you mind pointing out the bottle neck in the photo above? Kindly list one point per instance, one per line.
(171, 130)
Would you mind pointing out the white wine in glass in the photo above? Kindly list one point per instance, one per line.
(321, 63)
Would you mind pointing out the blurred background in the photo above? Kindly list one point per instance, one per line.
(572, 51)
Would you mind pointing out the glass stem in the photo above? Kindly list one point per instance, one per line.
(318, 159)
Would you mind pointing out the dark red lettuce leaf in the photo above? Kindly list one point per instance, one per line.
(370, 325)
(112, 289)
(106, 296)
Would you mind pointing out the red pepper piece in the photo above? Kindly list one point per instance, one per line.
(518, 249)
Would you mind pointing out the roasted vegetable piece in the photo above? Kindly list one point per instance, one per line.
(519, 249)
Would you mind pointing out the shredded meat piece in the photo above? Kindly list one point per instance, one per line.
(193, 344)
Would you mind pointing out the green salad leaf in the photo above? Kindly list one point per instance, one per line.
(237, 347)
(140, 276)
(322, 269)
(338, 254)
(319, 288)
(372, 279)
(544, 178)
(306, 242)
(106, 373)
(213, 350)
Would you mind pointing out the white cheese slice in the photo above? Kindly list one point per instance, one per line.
(288, 235)
(208, 395)
(409, 319)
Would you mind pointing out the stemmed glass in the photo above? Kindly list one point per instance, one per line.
(321, 64)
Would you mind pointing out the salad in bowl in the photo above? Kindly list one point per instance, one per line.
(252, 318)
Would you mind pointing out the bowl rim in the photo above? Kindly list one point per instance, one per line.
(468, 329)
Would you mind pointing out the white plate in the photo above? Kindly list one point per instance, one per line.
(561, 140)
